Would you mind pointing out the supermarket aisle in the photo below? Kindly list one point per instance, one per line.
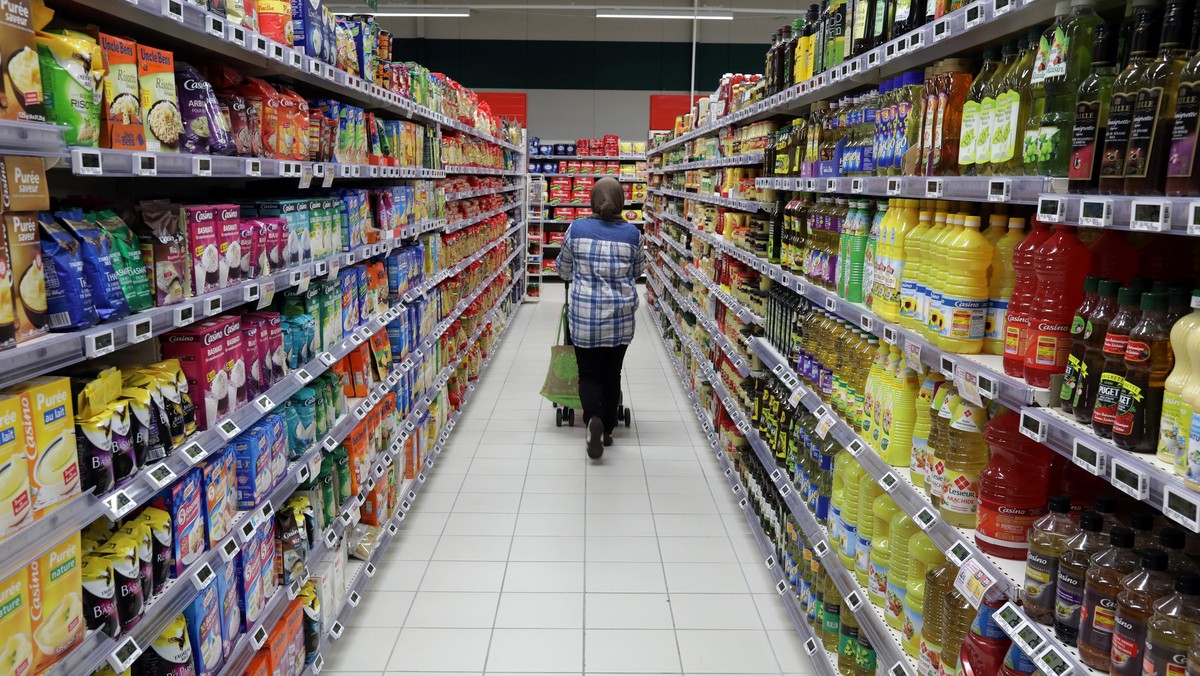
(522, 556)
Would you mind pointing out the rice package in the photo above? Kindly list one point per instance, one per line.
(68, 295)
(308, 27)
(170, 654)
(127, 259)
(203, 616)
(95, 250)
(69, 83)
(159, 99)
(237, 120)
(275, 20)
(220, 494)
(181, 501)
(121, 106)
(263, 102)
(231, 613)
(164, 248)
(204, 128)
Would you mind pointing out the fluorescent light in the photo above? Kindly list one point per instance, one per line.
(459, 12)
(687, 15)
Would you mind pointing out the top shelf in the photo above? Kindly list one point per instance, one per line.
(961, 30)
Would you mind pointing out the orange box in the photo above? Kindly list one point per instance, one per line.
(356, 444)
(342, 368)
(360, 370)
(412, 452)
(279, 640)
(121, 110)
(260, 664)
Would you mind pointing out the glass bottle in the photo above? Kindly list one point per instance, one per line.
(1154, 108)
(1182, 177)
(1143, 45)
(909, 15)
(974, 125)
(1072, 573)
(1091, 298)
(1051, 52)
(835, 33)
(1097, 615)
(1009, 57)
(1012, 111)
(1135, 604)
(947, 128)
(864, 24)
(1148, 360)
(1068, 67)
(1108, 391)
(1047, 541)
(1091, 112)
(1094, 330)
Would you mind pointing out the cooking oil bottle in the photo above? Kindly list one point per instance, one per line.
(848, 536)
(939, 582)
(939, 445)
(867, 660)
(898, 450)
(965, 291)
(965, 457)
(909, 293)
(831, 622)
(872, 413)
(869, 491)
(1097, 615)
(923, 557)
(959, 616)
(1000, 285)
(881, 438)
(919, 462)
(1047, 541)
(847, 643)
(883, 510)
(1173, 627)
(900, 532)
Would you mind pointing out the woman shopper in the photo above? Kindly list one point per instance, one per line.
(602, 258)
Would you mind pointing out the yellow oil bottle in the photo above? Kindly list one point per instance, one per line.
(939, 582)
(1000, 285)
(920, 438)
(923, 557)
(939, 442)
(848, 536)
(871, 391)
(888, 389)
(903, 415)
(900, 532)
(868, 491)
(930, 257)
(910, 280)
(883, 508)
(965, 290)
(965, 457)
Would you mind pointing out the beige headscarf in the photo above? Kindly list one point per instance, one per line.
(607, 199)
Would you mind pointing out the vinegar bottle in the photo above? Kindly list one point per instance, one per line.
(1148, 360)
(1091, 113)
(1146, 26)
(1012, 488)
(1173, 627)
(1072, 573)
(1091, 298)
(1017, 325)
(1097, 615)
(1135, 605)
(1046, 543)
(1104, 410)
(1183, 177)
(1094, 330)
(1062, 263)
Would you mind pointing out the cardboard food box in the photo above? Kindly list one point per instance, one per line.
(16, 503)
(121, 125)
(48, 420)
(15, 622)
(56, 602)
(24, 191)
(22, 100)
(200, 349)
(161, 119)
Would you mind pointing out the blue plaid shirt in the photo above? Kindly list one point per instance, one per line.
(602, 260)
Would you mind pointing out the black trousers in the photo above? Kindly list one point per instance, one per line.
(600, 382)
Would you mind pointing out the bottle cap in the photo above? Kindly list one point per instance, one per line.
(1093, 522)
(1128, 296)
(971, 222)
(1122, 537)
(1060, 504)
(1171, 538)
(1154, 559)
(1142, 521)
(1187, 583)
(1016, 224)
(1062, 7)
(1091, 284)
(1104, 504)
(1109, 288)
(1154, 302)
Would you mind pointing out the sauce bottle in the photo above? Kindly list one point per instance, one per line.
(1062, 264)
(1104, 410)
(1072, 574)
(1173, 627)
(1135, 605)
(1069, 64)
(1017, 326)
(1012, 488)
(1154, 109)
(1091, 113)
(983, 651)
(1091, 299)
(1094, 330)
(1148, 360)
(1172, 541)
(1046, 544)
(1175, 425)
(1098, 614)
(974, 126)
(1143, 44)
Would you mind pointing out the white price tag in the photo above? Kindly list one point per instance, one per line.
(1052, 662)
(212, 306)
(229, 550)
(999, 190)
(893, 186)
(925, 519)
(1181, 506)
(119, 504)
(958, 553)
(1050, 209)
(194, 453)
(336, 630)
(1193, 227)
(1093, 459)
(173, 10)
(204, 575)
(161, 476)
(202, 166)
(99, 344)
(145, 164)
(941, 30)
(1095, 212)
(974, 15)
(125, 654)
(1151, 215)
(228, 429)
(889, 482)
(214, 26)
(1032, 427)
(933, 188)
(253, 167)
(264, 404)
(973, 581)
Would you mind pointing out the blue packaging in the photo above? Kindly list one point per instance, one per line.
(231, 612)
(308, 27)
(362, 290)
(274, 424)
(68, 296)
(252, 454)
(203, 616)
(218, 477)
(249, 576)
(350, 311)
(181, 500)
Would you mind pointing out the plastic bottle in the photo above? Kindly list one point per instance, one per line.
(1104, 410)
(1091, 298)
(1172, 541)
(868, 492)
(883, 509)
(1190, 400)
(972, 117)
(831, 618)
(915, 248)
(1175, 425)
(848, 532)
(900, 532)
(1072, 574)
(1016, 663)
(937, 274)
(1062, 263)
(1012, 488)
(939, 442)
(1071, 57)
(929, 266)
(1052, 47)
(1091, 112)
(1135, 604)
(922, 425)
(1017, 327)
(1009, 56)
(1000, 284)
(939, 583)
(1012, 112)
(1142, 524)
(1046, 543)
(959, 615)
(965, 292)
(1094, 330)
(855, 242)
(966, 456)
(1173, 627)
(1148, 360)
(983, 651)
(923, 557)
(907, 220)
(1097, 615)
(897, 449)
(872, 409)
(1075, 482)
(847, 642)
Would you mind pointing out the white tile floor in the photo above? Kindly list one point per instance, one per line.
(522, 556)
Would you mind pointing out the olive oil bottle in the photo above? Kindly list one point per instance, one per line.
(1067, 68)
(974, 126)
(1091, 112)
(1183, 178)
(1143, 44)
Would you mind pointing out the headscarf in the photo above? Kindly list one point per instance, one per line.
(607, 199)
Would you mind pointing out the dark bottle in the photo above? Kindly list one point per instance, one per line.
(1182, 175)
(909, 15)
(1143, 45)
(1154, 109)
(1091, 112)
(1098, 614)
(881, 26)
(783, 58)
(769, 67)
(1091, 298)
(1135, 605)
(1148, 361)
(1094, 330)
(1104, 410)
(864, 24)
(1072, 573)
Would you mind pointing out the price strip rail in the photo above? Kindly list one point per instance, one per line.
(419, 228)
(411, 490)
(455, 226)
(744, 160)
(751, 206)
(621, 178)
(178, 22)
(1039, 643)
(243, 650)
(481, 192)
(1142, 476)
(442, 275)
(481, 171)
(1010, 189)
(630, 157)
(955, 32)
(743, 311)
(678, 246)
(142, 163)
(1169, 215)
(894, 480)
(740, 362)
(651, 238)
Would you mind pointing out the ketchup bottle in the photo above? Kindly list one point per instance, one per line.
(1062, 263)
(1016, 328)
(1013, 488)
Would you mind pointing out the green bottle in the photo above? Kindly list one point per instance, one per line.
(1091, 112)
(1051, 45)
(973, 128)
(1143, 44)
(1012, 110)
(1009, 56)
(1064, 75)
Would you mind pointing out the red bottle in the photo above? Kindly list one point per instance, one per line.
(1062, 263)
(982, 653)
(1167, 258)
(1013, 488)
(1016, 327)
(1114, 257)
(1083, 487)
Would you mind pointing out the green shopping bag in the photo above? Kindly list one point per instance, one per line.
(562, 380)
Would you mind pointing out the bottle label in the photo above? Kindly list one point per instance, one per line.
(1041, 572)
(1163, 660)
(865, 657)
(1142, 130)
(1049, 140)
(937, 321)
(967, 139)
(1049, 345)
(920, 457)
(1031, 146)
(1193, 451)
(894, 608)
(1129, 403)
(984, 625)
(1173, 428)
(1137, 351)
(1097, 617)
(847, 643)
(1183, 134)
(877, 579)
(1116, 138)
(1016, 332)
(912, 625)
(1128, 636)
(1056, 57)
(936, 476)
(929, 659)
(964, 318)
(961, 494)
(1070, 378)
(983, 132)
(908, 298)
(832, 617)
(996, 314)
(1115, 344)
(1004, 131)
(939, 132)
(1068, 600)
(1004, 525)
(862, 554)
(1084, 137)
(1041, 61)
(1107, 394)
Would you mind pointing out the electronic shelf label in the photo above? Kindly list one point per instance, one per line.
(1050, 209)
(1094, 460)
(1032, 427)
(1129, 480)
(125, 654)
(145, 164)
(1182, 507)
(1150, 215)
(1095, 212)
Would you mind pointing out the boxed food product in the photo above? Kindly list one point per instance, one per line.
(203, 617)
(260, 664)
(200, 349)
(15, 501)
(24, 191)
(121, 108)
(15, 623)
(49, 430)
(160, 101)
(21, 68)
(308, 27)
(229, 244)
(219, 487)
(231, 613)
(252, 452)
(182, 501)
(205, 247)
(56, 602)
(250, 579)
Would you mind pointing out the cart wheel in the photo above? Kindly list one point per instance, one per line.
(620, 414)
(571, 416)
(558, 416)
(627, 418)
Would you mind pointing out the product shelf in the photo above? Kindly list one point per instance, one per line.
(481, 171)
(1049, 655)
(739, 308)
(482, 192)
(751, 206)
(455, 226)
(584, 174)
(624, 157)
(1007, 189)
(677, 246)
(179, 22)
(439, 277)
(1169, 215)
(744, 160)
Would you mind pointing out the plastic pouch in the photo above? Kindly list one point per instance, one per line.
(99, 595)
(122, 551)
(124, 456)
(127, 259)
(140, 531)
(204, 128)
(68, 295)
(98, 269)
(159, 523)
(144, 427)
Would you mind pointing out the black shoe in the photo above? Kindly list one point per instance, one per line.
(608, 439)
(595, 433)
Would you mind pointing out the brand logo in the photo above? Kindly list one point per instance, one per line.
(201, 216)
